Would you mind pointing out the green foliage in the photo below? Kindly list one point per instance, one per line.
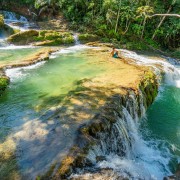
(176, 53)
(131, 19)
(117, 18)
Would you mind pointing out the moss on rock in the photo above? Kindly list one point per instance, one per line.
(23, 38)
(42, 38)
(1, 21)
(149, 87)
(4, 81)
(88, 37)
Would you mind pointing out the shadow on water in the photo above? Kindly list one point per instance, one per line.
(39, 143)
(38, 127)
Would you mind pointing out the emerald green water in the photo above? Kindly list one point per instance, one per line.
(29, 100)
(165, 112)
(163, 118)
(29, 143)
(8, 56)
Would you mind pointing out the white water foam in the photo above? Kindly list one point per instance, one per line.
(172, 72)
(68, 50)
(142, 159)
(21, 72)
(16, 47)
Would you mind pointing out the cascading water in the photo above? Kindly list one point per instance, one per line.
(169, 66)
(17, 21)
(127, 150)
(76, 39)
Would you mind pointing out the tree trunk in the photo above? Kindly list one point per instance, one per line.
(117, 17)
(170, 15)
(144, 23)
(160, 23)
(127, 27)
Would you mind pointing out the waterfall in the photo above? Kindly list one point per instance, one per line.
(17, 21)
(121, 150)
(124, 151)
(76, 39)
(12, 17)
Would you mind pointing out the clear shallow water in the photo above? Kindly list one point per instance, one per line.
(32, 96)
(15, 54)
(36, 90)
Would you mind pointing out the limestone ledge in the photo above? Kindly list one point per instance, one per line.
(41, 55)
(42, 38)
(105, 106)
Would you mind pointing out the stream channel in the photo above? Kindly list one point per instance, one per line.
(34, 93)
(29, 144)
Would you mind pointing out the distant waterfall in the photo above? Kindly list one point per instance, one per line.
(76, 39)
(17, 21)
(12, 17)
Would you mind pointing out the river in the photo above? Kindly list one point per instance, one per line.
(29, 145)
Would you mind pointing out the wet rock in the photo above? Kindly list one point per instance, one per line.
(176, 176)
(100, 158)
(23, 38)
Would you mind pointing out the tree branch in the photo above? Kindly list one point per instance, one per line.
(170, 15)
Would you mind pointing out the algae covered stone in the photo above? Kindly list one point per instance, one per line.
(4, 81)
(42, 38)
(23, 38)
(88, 37)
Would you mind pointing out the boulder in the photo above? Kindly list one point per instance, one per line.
(41, 38)
(23, 38)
